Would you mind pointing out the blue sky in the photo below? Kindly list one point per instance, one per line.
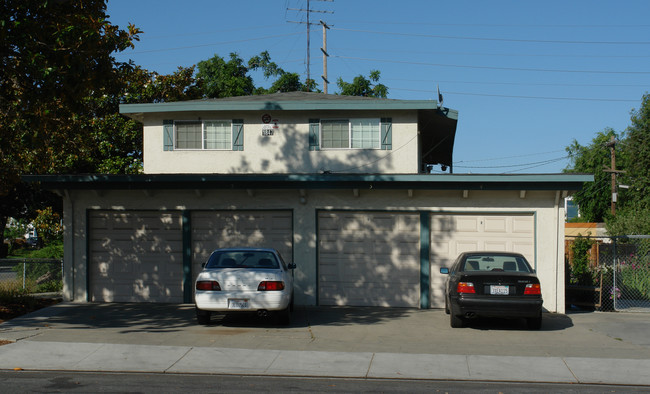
(527, 77)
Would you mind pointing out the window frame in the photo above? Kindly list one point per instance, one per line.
(204, 140)
(349, 122)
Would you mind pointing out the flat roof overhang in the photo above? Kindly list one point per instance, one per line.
(568, 182)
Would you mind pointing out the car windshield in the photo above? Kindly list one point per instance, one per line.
(495, 262)
(243, 259)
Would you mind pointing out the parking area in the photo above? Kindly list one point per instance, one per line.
(340, 329)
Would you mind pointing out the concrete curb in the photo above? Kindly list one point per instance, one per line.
(35, 355)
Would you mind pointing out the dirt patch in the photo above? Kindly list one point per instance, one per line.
(15, 308)
(3, 342)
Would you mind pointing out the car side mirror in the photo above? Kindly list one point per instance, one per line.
(292, 266)
(444, 270)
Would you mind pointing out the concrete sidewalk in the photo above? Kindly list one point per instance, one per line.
(330, 342)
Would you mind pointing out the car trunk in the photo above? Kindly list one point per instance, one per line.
(500, 283)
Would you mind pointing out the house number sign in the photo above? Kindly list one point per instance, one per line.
(270, 125)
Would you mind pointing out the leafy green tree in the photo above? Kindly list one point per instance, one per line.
(594, 198)
(633, 212)
(221, 78)
(637, 146)
(362, 86)
(56, 56)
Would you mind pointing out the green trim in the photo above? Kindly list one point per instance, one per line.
(88, 257)
(386, 126)
(567, 182)
(425, 266)
(289, 105)
(186, 217)
(168, 135)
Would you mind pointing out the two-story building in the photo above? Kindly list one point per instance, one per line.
(341, 186)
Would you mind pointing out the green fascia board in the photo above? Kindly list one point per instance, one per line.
(302, 105)
(569, 182)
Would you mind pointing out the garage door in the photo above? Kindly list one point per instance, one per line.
(225, 229)
(454, 234)
(135, 257)
(369, 259)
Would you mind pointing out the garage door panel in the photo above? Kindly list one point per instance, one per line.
(453, 234)
(135, 256)
(223, 229)
(368, 259)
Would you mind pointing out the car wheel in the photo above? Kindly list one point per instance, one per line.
(203, 317)
(535, 323)
(455, 321)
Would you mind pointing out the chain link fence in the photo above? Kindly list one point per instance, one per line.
(620, 272)
(33, 275)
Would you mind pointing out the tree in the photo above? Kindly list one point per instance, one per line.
(633, 213)
(362, 86)
(637, 145)
(594, 198)
(221, 78)
(56, 57)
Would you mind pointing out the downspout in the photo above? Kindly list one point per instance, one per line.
(71, 256)
(557, 251)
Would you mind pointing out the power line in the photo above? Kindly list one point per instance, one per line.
(498, 39)
(523, 97)
(496, 68)
(207, 45)
(356, 22)
(543, 162)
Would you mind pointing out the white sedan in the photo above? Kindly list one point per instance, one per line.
(245, 279)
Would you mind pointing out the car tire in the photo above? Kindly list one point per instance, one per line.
(446, 306)
(203, 317)
(455, 321)
(535, 323)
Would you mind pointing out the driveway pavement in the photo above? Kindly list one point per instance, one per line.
(325, 341)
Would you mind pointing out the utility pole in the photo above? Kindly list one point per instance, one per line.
(308, 10)
(325, 56)
(612, 145)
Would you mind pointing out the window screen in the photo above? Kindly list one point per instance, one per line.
(365, 133)
(189, 135)
(335, 134)
(217, 135)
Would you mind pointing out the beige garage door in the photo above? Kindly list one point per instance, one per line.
(226, 229)
(454, 234)
(136, 256)
(369, 259)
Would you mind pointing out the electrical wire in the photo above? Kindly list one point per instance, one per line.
(495, 39)
(548, 70)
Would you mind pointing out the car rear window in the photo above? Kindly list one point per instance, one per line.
(507, 263)
(243, 259)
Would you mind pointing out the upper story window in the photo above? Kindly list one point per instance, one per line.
(213, 134)
(359, 133)
(203, 134)
(350, 133)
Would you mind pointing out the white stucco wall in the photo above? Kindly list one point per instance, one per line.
(544, 205)
(287, 151)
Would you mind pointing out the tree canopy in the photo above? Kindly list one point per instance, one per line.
(633, 157)
(362, 86)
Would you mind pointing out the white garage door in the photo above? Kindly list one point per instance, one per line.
(225, 229)
(454, 234)
(369, 259)
(136, 256)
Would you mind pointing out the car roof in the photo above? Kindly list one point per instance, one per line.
(492, 253)
(246, 249)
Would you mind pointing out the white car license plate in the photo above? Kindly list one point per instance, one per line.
(237, 304)
(499, 290)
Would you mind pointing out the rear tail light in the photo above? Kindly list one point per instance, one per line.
(465, 288)
(533, 289)
(209, 285)
(271, 286)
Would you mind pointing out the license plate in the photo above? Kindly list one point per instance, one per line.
(237, 304)
(499, 290)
